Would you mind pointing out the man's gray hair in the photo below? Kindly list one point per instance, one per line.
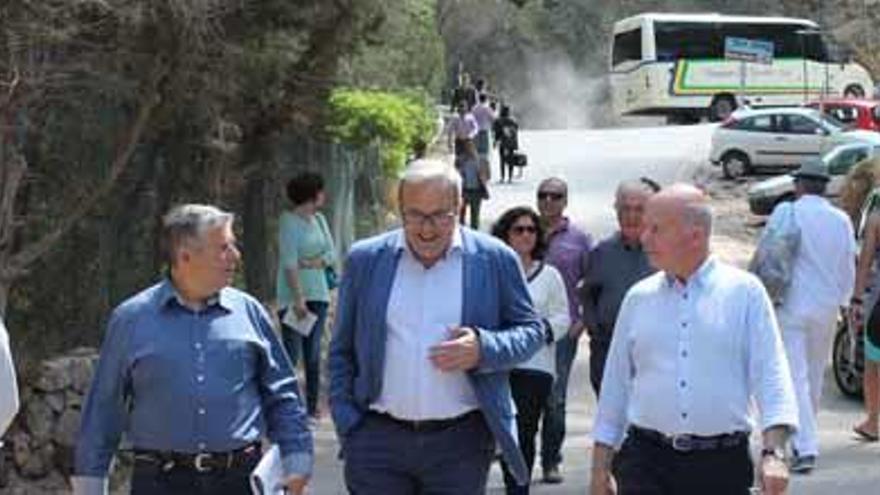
(428, 170)
(187, 224)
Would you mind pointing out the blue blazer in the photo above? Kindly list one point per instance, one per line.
(495, 302)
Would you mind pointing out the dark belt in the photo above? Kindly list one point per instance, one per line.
(203, 462)
(427, 424)
(689, 443)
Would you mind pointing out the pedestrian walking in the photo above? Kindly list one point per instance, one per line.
(612, 267)
(506, 133)
(305, 278)
(474, 184)
(462, 129)
(567, 248)
(694, 346)
(862, 180)
(531, 381)
(430, 320)
(192, 373)
(822, 282)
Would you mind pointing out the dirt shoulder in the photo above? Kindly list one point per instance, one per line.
(735, 229)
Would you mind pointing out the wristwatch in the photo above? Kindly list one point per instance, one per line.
(777, 452)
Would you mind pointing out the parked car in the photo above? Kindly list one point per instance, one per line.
(776, 137)
(765, 195)
(856, 113)
(847, 353)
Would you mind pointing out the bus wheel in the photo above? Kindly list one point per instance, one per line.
(735, 164)
(721, 108)
(854, 91)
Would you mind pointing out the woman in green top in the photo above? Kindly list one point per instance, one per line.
(305, 251)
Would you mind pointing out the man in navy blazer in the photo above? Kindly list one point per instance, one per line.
(430, 319)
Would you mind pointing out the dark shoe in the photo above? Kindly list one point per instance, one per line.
(552, 475)
(803, 464)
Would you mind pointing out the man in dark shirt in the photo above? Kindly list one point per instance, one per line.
(193, 373)
(614, 265)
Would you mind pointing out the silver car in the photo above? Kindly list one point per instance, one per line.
(765, 195)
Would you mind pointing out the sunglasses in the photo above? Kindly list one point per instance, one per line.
(522, 229)
(554, 196)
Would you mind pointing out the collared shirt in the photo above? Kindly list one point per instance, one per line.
(611, 269)
(567, 247)
(300, 238)
(424, 304)
(824, 268)
(688, 358)
(464, 127)
(485, 116)
(175, 379)
(8, 385)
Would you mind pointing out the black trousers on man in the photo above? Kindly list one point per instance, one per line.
(156, 478)
(648, 467)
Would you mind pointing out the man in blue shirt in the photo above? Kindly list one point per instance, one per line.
(193, 374)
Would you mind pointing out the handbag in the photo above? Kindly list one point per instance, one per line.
(519, 159)
(773, 261)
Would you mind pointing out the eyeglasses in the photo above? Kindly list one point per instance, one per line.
(439, 219)
(522, 229)
(553, 196)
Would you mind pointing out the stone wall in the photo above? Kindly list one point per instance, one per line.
(38, 455)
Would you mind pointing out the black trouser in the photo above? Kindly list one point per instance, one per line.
(647, 467)
(149, 478)
(530, 390)
(598, 355)
(505, 160)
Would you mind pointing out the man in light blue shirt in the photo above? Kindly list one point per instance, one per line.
(693, 346)
(194, 375)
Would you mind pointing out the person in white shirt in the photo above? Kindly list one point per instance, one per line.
(8, 386)
(694, 345)
(462, 128)
(531, 381)
(823, 278)
(485, 118)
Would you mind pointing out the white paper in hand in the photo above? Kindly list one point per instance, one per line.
(267, 477)
(302, 326)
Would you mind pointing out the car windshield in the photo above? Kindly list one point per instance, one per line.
(832, 124)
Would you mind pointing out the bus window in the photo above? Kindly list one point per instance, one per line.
(689, 40)
(627, 47)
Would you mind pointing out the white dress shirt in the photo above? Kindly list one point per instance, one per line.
(825, 265)
(689, 358)
(423, 306)
(8, 386)
(551, 303)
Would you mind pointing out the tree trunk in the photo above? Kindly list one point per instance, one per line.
(256, 263)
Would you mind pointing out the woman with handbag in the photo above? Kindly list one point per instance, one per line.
(306, 275)
(474, 178)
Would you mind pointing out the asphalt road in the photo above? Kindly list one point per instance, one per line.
(593, 162)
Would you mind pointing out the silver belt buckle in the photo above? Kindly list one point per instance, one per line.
(198, 462)
(682, 442)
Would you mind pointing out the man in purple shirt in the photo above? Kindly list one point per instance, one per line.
(568, 246)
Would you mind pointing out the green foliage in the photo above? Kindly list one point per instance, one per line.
(405, 50)
(394, 120)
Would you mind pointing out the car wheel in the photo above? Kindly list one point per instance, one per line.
(721, 108)
(854, 91)
(785, 198)
(847, 364)
(735, 164)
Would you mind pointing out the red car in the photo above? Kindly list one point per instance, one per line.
(857, 113)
